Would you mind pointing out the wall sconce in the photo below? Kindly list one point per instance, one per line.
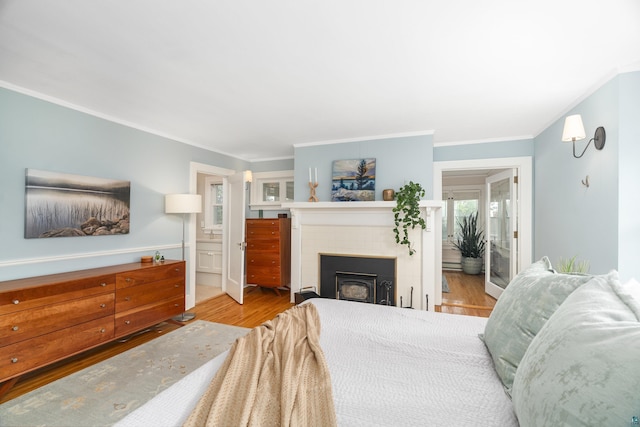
(574, 131)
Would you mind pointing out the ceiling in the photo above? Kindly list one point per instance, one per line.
(253, 78)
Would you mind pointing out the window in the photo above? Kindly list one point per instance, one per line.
(459, 203)
(270, 189)
(213, 203)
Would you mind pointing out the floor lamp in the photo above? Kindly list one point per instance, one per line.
(183, 204)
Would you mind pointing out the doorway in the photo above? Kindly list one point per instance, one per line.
(208, 170)
(450, 171)
(209, 231)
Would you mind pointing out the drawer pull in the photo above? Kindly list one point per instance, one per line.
(103, 305)
(127, 298)
(127, 322)
(14, 360)
(103, 284)
(15, 328)
(177, 269)
(128, 279)
(102, 331)
(16, 301)
(176, 286)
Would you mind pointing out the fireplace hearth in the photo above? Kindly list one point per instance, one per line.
(358, 278)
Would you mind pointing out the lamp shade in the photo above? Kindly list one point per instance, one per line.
(573, 129)
(183, 203)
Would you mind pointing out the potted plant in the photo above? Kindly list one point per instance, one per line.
(407, 213)
(471, 244)
(572, 266)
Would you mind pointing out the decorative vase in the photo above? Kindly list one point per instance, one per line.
(388, 195)
(472, 265)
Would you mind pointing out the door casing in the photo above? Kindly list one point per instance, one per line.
(524, 165)
(190, 288)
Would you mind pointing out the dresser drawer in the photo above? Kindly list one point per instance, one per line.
(28, 355)
(263, 223)
(147, 293)
(262, 259)
(146, 275)
(270, 245)
(147, 315)
(27, 324)
(263, 233)
(265, 276)
(15, 300)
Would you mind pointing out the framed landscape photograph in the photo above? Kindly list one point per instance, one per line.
(65, 205)
(353, 180)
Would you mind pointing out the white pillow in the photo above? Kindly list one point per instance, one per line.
(583, 367)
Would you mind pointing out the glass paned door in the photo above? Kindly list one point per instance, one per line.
(500, 232)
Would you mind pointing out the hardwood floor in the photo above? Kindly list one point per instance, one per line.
(466, 297)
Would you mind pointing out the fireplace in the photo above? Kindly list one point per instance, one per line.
(356, 287)
(358, 278)
(362, 228)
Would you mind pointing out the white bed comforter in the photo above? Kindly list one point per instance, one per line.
(389, 367)
(392, 366)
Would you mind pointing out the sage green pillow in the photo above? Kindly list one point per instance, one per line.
(521, 311)
(583, 367)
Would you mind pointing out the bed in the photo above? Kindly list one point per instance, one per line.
(388, 366)
(558, 349)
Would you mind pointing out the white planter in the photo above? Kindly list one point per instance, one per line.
(472, 265)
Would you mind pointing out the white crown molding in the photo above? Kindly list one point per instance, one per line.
(364, 138)
(483, 141)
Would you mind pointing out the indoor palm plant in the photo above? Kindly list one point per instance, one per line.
(407, 213)
(471, 244)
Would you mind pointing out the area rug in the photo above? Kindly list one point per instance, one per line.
(102, 394)
(445, 284)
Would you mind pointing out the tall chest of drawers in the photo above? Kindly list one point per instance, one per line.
(48, 318)
(268, 253)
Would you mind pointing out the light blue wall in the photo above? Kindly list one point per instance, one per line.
(488, 150)
(398, 160)
(272, 165)
(570, 219)
(629, 176)
(40, 135)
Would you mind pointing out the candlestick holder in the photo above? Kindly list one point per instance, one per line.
(312, 191)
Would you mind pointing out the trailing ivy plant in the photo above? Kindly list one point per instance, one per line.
(407, 213)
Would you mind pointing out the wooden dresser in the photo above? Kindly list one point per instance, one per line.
(48, 318)
(268, 253)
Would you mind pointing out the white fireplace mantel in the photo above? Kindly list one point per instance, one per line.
(365, 228)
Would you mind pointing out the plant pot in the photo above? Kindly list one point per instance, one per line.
(472, 265)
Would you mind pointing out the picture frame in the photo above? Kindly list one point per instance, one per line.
(353, 180)
(66, 205)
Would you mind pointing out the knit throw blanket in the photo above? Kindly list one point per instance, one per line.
(274, 375)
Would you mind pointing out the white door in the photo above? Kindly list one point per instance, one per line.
(501, 229)
(235, 241)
